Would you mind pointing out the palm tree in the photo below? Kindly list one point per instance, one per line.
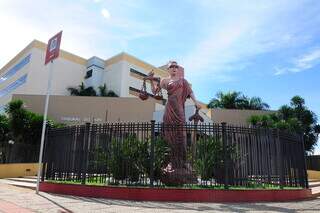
(76, 91)
(256, 103)
(236, 100)
(111, 94)
(229, 100)
(104, 92)
(297, 102)
(82, 91)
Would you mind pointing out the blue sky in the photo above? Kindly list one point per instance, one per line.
(269, 49)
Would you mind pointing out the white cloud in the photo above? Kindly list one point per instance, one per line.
(302, 63)
(85, 33)
(240, 31)
(105, 13)
(214, 52)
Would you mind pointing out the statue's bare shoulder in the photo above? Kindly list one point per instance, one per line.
(164, 82)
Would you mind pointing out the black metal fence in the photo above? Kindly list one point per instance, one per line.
(313, 162)
(218, 155)
(19, 153)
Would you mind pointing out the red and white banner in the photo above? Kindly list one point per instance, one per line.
(53, 48)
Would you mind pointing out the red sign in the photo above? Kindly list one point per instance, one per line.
(53, 48)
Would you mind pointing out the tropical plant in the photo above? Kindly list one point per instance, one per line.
(256, 103)
(236, 100)
(4, 137)
(209, 161)
(161, 157)
(24, 128)
(295, 117)
(208, 157)
(130, 157)
(81, 90)
(125, 158)
(104, 92)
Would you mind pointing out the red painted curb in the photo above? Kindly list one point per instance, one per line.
(178, 195)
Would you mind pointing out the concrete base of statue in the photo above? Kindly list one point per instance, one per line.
(178, 176)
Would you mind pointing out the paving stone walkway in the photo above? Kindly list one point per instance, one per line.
(17, 199)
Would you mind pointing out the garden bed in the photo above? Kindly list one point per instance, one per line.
(177, 194)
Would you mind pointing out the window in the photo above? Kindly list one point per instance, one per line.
(89, 74)
(15, 69)
(13, 86)
(137, 73)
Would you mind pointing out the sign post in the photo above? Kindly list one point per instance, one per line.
(52, 53)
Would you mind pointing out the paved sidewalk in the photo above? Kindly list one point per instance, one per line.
(25, 200)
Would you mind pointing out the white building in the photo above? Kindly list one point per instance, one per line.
(26, 74)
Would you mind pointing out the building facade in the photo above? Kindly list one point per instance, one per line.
(26, 77)
(27, 74)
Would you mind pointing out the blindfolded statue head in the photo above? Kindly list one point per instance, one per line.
(175, 70)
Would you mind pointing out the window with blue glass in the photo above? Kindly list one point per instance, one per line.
(13, 86)
(15, 69)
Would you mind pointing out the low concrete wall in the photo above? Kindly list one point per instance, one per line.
(11, 170)
(235, 116)
(312, 174)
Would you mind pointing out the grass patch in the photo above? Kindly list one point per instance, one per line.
(250, 185)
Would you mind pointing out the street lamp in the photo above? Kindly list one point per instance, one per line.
(10, 142)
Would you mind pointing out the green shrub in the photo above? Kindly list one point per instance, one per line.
(209, 156)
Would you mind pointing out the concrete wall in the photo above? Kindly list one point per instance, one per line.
(80, 109)
(113, 77)
(234, 116)
(66, 73)
(12, 170)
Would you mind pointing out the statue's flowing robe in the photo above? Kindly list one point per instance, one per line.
(174, 120)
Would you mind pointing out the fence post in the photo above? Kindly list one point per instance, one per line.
(305, 181)
(85, 152)
(152, 152)
(225, 155)
(44, 161)
(280, 158)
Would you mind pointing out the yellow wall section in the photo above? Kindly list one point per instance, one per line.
(137, 62)
(79, 60)
(42, 46)
(63, 54)
(312, 174)
(16, 58)
(12, 170)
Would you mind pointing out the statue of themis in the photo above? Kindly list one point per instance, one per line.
(178, 89)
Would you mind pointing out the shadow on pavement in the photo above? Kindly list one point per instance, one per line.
(228, 207)
(57, 204)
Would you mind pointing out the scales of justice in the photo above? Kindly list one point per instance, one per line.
(178, 171)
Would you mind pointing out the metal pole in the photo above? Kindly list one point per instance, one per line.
(225, 155)
(44, 124)
(304, 163)
(152, 153)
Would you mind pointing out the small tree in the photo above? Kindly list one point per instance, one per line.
(4, 137)
(295, 117)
